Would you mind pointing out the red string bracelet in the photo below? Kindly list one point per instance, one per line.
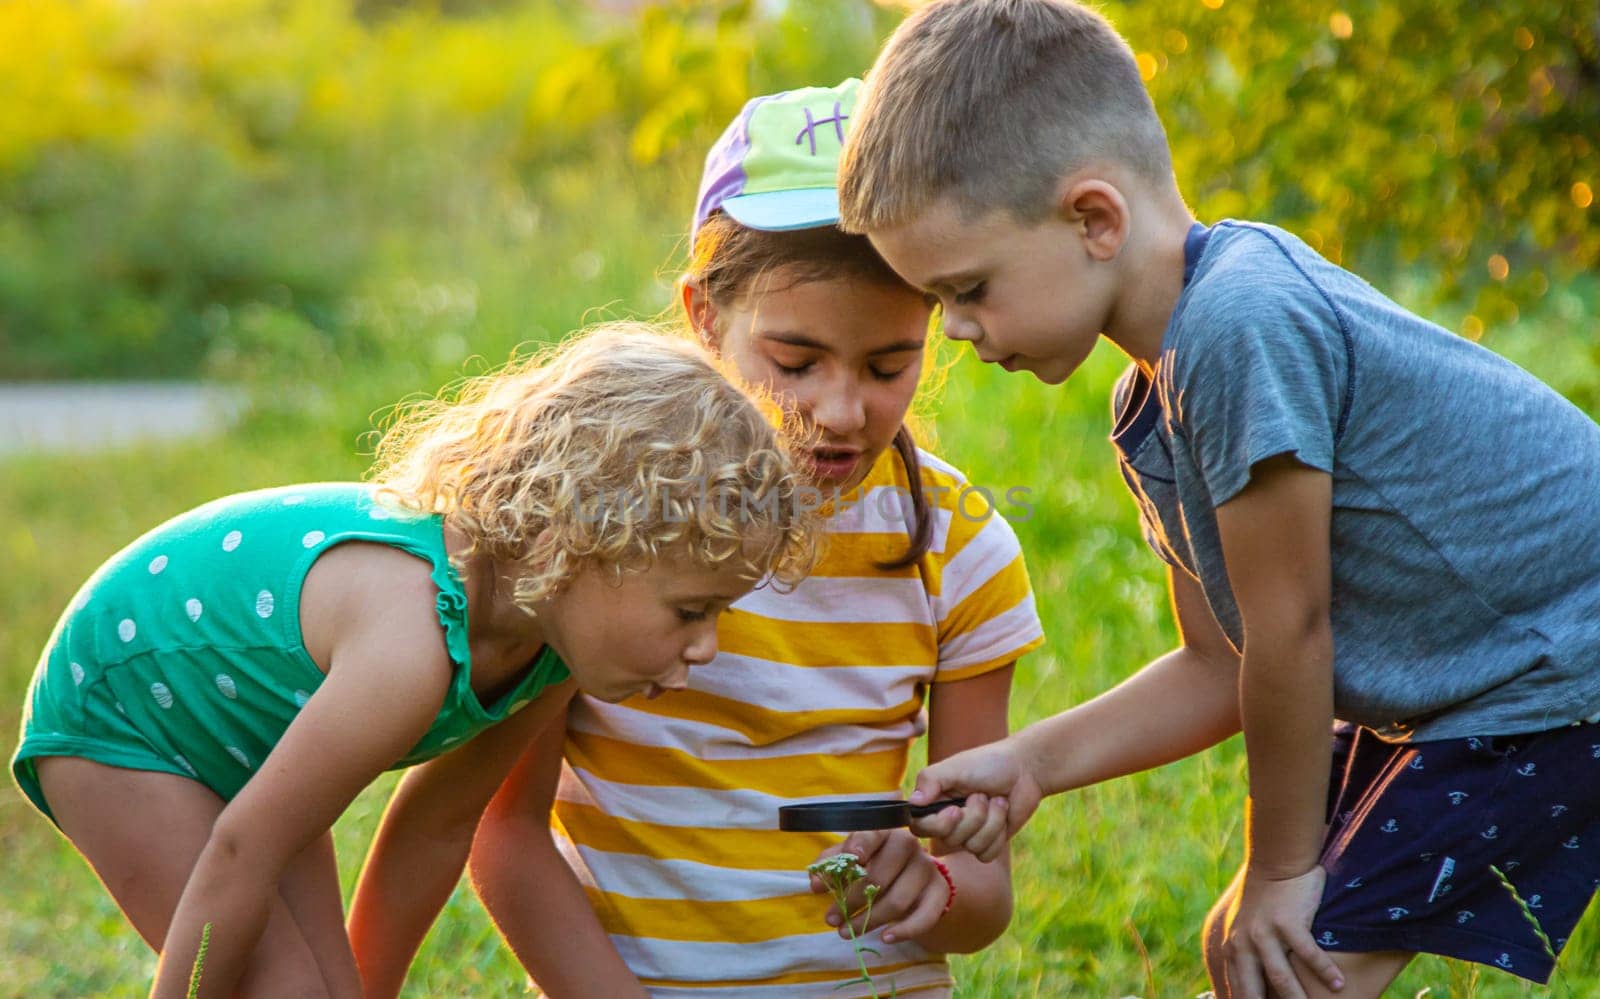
(944, 872)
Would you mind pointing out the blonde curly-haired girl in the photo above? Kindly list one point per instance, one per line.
(221, 689)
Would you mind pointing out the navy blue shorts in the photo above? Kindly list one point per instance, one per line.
(1415, 828)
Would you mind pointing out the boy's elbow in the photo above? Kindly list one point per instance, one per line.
(1296, 627)
(1308, 631)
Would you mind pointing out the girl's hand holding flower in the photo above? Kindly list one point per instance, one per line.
(913, 892)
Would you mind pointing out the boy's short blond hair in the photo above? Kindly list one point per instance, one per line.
(990, 103)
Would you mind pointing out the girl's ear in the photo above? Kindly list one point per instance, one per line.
(698, 307)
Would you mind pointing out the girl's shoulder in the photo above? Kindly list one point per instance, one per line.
(938, 469)
(965, 513)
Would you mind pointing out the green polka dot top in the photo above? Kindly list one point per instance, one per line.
(183, 652)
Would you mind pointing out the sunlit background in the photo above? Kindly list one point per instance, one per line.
(316, 207)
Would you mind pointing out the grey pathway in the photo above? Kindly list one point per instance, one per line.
(89, 416)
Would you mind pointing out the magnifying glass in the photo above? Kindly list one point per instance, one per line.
(849, 816)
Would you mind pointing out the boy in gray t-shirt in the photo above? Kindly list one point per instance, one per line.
(1367, 519)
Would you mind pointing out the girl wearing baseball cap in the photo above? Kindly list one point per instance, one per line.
(911, 624)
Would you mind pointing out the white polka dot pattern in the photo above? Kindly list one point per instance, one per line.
(177, 577)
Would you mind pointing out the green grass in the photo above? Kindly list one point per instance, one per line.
(334, 274)
(1102, 877)
(1111, 882)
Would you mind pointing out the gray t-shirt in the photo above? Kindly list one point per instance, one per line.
(1466, 493)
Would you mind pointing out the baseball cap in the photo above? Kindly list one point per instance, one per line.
(776, 165)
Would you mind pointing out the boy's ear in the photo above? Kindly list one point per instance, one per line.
(697, 305)
(1097, 209)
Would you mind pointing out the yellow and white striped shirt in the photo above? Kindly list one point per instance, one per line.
(668, 808)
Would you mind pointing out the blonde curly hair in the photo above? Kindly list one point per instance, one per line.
(620, 445)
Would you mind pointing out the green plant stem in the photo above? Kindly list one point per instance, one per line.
(1527, 913)
(199, 962)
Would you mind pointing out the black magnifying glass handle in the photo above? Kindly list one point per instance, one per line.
(935, 807)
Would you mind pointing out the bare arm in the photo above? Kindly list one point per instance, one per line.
(388, 674)
(1275, 540)
(422, 845)
(962, 715)
(1179, 704)
(531, 893)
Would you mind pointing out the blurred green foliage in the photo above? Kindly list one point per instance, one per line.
(247, 189)
(226, 186)
(1466, 136)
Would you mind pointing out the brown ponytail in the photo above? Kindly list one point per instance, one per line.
(921, 516)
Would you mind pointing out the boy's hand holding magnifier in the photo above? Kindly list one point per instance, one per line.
(1002, 789)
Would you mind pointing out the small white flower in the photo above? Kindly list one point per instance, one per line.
(840, 865)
